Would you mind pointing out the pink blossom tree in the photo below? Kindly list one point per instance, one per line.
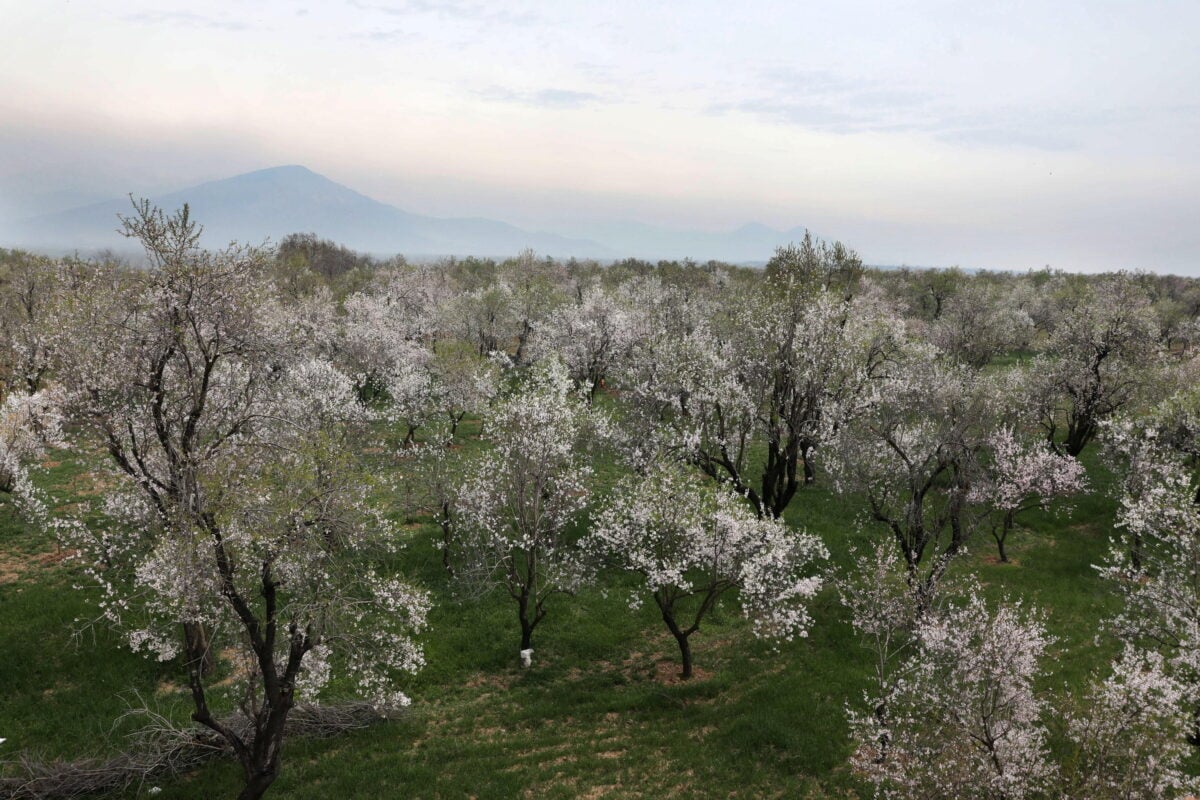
(691, 543)
(1021, 475)
(1100, 358)
(773, 372)
(31, 289)
(1155, 569)
(588, 336)
(28, 425)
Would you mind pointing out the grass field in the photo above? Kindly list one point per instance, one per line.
(600, 714)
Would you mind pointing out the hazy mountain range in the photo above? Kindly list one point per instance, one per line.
(271, 203)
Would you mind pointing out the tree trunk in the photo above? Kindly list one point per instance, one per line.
(256, 787)
(681, 637)
(1079, 433)
(527, 623)
(522, 340)
(1005, 528)
(262, 761)
(197, 647)
(685, 654)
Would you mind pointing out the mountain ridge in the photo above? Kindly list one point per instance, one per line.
(268, 204)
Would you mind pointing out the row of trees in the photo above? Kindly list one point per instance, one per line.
(232, 393)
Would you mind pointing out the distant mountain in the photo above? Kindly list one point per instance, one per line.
(271, 203)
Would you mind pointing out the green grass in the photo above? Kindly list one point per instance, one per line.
(600, 714)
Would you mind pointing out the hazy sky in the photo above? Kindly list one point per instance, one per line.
(983, 134)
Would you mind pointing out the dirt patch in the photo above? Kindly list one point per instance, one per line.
(482, 679)
(15, 566)
(669, 673)
(90, 484)
(995, 560)
(241, 667)
(56, 556)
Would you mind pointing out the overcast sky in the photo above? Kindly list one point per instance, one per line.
(983, 134)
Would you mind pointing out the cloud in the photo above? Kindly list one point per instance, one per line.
(460, 10)
(825, 102)
(186, 19)
(558, 99)
(387, 35)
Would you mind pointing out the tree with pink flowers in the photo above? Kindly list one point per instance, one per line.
(1020, 475)
(691, 543)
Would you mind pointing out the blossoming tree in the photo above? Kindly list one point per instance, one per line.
(693, 542)
(518, 502)
(1021, 475)
(28, 424)
(913, 451)
(964, 720)
(234, 518)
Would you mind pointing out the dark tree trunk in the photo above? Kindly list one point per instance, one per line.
(197, 648)
(685, 655)
(681, 636)
(1001, 535)
(779, 480)
(1079, 433)
(528, 622)
(526, 634)
(522, 340)
(262, 764)
(256, 787)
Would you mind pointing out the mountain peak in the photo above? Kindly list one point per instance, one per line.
(283, 171)
(288, 174)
